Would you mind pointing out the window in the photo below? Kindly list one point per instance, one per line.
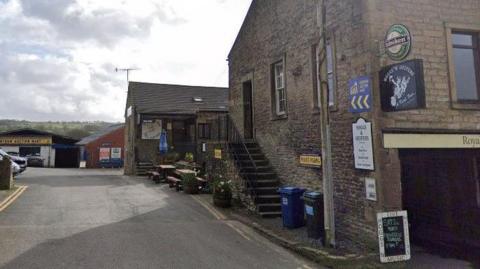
(204, 131)
(466, 59)
(330, 75)
(279, 88)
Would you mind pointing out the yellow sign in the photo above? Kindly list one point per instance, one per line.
(218, 154)
(431, 141)
(25, 140)
(311, 160)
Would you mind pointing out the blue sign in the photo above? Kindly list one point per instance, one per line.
(360, 92)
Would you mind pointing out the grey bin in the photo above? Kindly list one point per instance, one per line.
(315, 215)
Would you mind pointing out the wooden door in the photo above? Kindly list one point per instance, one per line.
(248, 110)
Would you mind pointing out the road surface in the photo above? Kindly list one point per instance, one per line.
(69, 218)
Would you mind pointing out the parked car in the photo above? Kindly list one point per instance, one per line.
(35, 161)
(15, 167)
(22, 162)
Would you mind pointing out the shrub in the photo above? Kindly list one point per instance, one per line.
(190, 183)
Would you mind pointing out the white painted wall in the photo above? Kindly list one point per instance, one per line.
(45, 152)
(10, 148)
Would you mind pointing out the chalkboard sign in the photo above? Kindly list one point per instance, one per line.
(393, 236)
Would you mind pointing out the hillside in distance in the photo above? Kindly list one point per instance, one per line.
(74, 129)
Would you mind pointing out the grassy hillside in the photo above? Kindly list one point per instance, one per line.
(73, 129)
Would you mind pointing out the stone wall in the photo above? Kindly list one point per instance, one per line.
(276, 30)
(225, 168)
(6, 178)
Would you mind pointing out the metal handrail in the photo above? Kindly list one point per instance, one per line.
(234, 137)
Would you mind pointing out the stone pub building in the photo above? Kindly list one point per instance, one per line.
(406, 72)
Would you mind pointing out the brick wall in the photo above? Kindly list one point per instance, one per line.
(114, 139)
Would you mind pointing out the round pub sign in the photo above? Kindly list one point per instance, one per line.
(398, 42)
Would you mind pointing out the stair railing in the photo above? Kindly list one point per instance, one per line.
(235, 138)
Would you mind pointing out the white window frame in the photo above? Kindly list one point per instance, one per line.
(280, 88)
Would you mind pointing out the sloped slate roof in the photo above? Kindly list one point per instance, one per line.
(101, 133)
(176, 99)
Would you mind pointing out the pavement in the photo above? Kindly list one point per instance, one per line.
(71, 218)
(298, 241)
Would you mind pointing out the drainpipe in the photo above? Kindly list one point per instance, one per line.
(325, 126)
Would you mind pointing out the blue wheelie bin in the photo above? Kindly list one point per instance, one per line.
(292, 207)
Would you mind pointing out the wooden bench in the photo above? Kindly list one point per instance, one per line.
(174, 182)
(156, 177)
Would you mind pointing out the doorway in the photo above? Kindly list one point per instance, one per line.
(248, 109)
(66, 157)
(441, 192)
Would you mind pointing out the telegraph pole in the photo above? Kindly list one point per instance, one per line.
(325, 126)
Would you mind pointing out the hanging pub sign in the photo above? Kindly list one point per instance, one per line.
(393, 236)
(363, 145)
(398, 42)
(402, 86)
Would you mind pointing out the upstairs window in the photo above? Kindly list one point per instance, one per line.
(204, 131)
(330, 75)
(466, 59)
(279, 88)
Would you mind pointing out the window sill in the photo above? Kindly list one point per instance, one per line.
(317, 110)
(465, 106)
(279, 117)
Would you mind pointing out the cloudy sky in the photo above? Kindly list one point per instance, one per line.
(58, 57)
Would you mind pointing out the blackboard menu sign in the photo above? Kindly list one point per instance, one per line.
(402, 86)
(393, 236)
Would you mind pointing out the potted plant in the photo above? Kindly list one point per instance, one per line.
(222, 193)
(189, 157)
(190, 184)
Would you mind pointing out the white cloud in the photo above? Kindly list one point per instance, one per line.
(58, 56)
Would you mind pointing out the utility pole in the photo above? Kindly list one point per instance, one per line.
(325, 126)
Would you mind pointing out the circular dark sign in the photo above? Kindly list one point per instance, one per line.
(398, 42)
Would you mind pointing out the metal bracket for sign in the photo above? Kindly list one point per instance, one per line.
(384, 258)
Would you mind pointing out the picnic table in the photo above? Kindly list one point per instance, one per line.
(164, 170)
(182, 172)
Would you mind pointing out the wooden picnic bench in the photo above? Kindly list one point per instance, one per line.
(163, 171)
(154, 175)
(174, 182)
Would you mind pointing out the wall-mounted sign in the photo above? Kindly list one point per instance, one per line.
(151, 129)
(30, 140)
(218, 154)
(360, 94)
(104, 155)
(311, 160)
(129, 111)
(402, 86)
(431, 141)
(363, 145)
(398, 42)
(393, 236)
(371, 189)
(116, 153)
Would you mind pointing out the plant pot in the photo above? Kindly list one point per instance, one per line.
(222, 201)
(190, 189)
